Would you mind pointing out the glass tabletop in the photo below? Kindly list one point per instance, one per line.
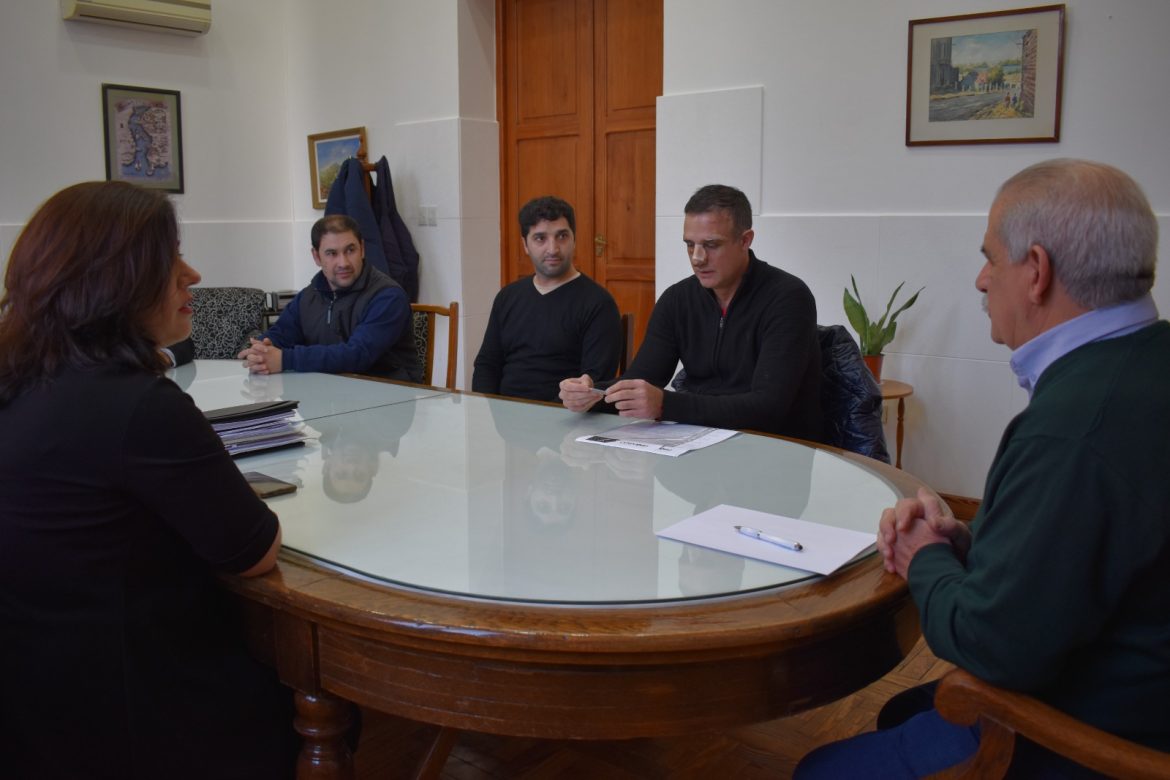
(495, 499)
(218, 384)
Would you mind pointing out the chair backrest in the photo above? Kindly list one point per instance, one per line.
(627, 353)
(424, 338)
(224, 318)
(851, 400)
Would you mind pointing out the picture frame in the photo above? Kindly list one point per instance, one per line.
(144, 136)
(327, 151)
(986, 78)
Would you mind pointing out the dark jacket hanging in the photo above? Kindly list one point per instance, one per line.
(348, 196)
(401, 256)
(389, 247)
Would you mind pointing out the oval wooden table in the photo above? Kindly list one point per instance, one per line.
(500, 576)
(560, 673)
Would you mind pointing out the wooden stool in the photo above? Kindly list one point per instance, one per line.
(893, 389)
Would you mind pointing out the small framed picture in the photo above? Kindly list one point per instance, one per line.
(144, 136)
(327, 151)
(989, 78)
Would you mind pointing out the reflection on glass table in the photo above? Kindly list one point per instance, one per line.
(495, 499)
(218, 384)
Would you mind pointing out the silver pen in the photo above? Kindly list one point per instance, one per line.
(763, 537)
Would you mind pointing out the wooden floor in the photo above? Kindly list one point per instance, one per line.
(391, 748)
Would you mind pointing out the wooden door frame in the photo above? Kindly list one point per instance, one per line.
(503, 137)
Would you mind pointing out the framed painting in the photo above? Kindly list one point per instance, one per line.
(327, 151)
(989, 78)
(144, 136)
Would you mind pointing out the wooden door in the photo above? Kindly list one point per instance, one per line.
(578, 82)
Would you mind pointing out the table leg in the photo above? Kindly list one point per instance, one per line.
(323, 721)
(433, 762)
(901, 417)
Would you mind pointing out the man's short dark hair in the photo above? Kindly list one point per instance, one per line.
(546, 207)
(720, 197)
(334, 223)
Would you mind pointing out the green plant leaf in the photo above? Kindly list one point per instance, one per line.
(874, 336)
(890, 304)
(873, 340)
(881, 324)
(906, 305)
(855, 313)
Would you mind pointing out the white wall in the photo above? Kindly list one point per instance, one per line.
(814, 96)
(234, 97)
(418, 74)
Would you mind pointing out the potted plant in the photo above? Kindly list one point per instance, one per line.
(874, 336)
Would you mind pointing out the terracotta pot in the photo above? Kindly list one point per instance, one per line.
(874, 362)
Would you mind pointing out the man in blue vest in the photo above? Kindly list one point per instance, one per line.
(351, 318)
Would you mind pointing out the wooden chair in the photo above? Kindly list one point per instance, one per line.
(627, 353)
(963, 698)
(424, 338)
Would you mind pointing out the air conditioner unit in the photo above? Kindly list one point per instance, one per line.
(180, 17)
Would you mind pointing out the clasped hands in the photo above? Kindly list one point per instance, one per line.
(262, 357)
(631, 397)
(912, 524)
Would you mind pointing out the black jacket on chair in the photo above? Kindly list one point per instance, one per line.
(850, 396)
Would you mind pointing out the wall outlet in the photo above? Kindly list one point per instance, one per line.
(428, 215)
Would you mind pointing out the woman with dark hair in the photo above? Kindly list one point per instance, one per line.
(117, 505)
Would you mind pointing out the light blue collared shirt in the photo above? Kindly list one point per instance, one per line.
(1034, 357)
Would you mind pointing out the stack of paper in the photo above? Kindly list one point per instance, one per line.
(661, 438)
(258, 427)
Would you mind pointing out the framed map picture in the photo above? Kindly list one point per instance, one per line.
(327, 151)
(144, 138)
(989, 78)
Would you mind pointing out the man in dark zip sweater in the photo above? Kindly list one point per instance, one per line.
(745, 332)
(351, 317)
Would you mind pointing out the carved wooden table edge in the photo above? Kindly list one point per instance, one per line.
(593, 673)
(568, 671)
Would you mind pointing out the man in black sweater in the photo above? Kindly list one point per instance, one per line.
(746, 334)
(555, 322)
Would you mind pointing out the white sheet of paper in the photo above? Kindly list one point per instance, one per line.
(660, 438)
(826, 548)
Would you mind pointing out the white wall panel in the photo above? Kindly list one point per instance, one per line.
(244, 254)
(941, 253)
(708, 138)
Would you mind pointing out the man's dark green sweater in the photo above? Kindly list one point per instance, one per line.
(1065, 593)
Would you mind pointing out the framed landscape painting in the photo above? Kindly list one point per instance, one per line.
(327, 151)
(144, 136)
(988, 78)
